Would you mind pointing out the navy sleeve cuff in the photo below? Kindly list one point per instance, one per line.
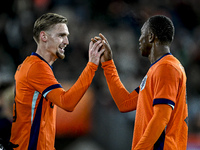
(163, 101)
(47, 90)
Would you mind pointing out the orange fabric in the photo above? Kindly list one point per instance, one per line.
(34, 111)
(78, 122)
(164, 83)
(124, 100)
(157, 124)
(70, 98)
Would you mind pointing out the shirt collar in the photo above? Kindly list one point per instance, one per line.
(35, 54)
(160, 58)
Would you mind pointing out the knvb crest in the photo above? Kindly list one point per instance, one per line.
(143, 83)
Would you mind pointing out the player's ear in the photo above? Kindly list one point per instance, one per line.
(151, 37)
(43, 36)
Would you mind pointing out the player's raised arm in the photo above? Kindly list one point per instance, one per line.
(70, 98)
(124, 100)
(37, 89)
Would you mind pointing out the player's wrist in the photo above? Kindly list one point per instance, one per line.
(104, 63)
(92, 65)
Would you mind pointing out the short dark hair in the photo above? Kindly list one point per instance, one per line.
(162, 27)
(46, 21)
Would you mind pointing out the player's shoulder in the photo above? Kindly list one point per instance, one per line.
(171, 63)
(34, 59)
(34, 62)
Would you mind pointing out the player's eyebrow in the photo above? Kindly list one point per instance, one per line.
(63, 34)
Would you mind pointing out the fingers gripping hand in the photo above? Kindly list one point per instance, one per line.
(108, 52)
(95, 51)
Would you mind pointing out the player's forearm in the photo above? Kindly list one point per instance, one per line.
(155, 127)
(123, 99)
(70, 98)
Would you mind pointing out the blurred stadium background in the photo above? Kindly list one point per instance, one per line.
(96, 123)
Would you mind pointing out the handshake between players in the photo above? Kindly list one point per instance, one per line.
(105, 49)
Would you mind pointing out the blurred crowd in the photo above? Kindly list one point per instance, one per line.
(120, 21)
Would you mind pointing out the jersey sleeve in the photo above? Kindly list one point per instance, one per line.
(154, 133)
(166, 83)
(70, 98)
(41, 78)
(124, 100)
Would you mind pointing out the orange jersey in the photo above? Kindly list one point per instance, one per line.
(165, 83)
(37, 90)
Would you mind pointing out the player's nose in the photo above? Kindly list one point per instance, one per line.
(66, 40)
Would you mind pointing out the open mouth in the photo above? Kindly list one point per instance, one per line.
(61, 49)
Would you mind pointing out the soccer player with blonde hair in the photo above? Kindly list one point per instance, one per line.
(38, 91)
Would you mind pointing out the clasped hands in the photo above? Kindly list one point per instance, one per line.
(99, 50)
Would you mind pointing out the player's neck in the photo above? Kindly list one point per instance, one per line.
(45, 55)
(157, 52)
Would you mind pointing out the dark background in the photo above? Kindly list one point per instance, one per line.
(120, 21)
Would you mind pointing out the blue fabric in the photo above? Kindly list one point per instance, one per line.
(47, 90)
(159, 145)
(137, 90)
(35, 128)
(163, 101)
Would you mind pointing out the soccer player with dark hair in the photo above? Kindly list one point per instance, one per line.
(38, 91)
(160, 100)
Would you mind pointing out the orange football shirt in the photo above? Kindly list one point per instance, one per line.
(37, 90)
(164, 83)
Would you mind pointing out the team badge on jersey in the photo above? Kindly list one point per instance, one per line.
(143, 83)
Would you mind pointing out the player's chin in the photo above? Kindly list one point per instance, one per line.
(144, 53)
(60, 55)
